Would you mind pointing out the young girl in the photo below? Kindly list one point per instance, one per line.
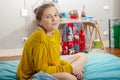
(42, 50)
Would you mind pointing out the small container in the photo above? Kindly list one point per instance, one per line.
(97, 43)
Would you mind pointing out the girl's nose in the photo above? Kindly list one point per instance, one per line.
(54, 18)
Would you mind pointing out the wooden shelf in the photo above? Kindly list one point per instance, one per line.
(64, 21)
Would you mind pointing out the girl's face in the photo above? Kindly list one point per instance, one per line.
(50, 19)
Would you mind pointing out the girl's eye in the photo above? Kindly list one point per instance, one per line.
(48, 16)
(56, 15)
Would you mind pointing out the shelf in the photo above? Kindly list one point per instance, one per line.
(64, 21)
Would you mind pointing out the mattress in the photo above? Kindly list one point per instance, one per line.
(99, 67)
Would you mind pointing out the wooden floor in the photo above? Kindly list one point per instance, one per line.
(114, 51)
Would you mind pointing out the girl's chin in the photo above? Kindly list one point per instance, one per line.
(55, 26)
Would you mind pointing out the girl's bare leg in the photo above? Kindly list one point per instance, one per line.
(79, 59)
(64, 76)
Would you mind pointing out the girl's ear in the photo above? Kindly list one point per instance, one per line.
(38, 22)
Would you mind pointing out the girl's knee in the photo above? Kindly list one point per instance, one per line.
(64, 76)
(68, 76)
(82, 54)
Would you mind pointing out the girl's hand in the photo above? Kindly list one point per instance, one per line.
(77, 71)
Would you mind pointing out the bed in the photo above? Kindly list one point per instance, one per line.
(99, 67)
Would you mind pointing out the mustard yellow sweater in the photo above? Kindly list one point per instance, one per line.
(42, 53)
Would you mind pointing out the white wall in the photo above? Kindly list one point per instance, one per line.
(116, 8)
(13, 27)
(11, 24)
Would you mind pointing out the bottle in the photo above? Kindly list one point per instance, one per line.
(83, 14)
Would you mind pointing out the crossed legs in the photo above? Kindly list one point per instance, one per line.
(78, 61)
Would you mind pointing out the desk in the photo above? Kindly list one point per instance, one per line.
(87, 24)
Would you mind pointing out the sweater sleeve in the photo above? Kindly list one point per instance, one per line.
(41, 58)
(25, 68)
(42, 63)
(66, 66)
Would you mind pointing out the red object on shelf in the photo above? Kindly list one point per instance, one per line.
(73, 17)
